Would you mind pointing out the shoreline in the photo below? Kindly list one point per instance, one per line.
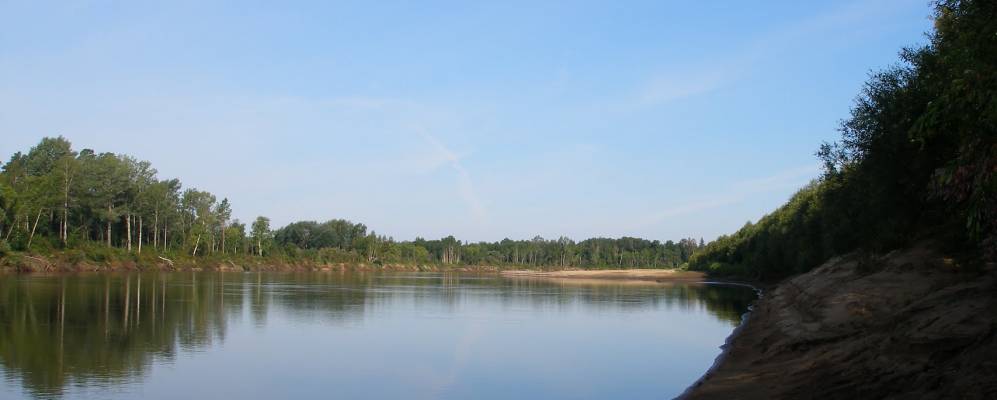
(728, 342)
(29, 264)
(20, 263)
(636, 274)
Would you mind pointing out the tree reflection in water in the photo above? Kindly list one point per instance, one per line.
(109, 329)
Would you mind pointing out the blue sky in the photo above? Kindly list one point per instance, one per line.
(485, 120)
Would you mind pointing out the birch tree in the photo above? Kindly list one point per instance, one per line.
(261, 233)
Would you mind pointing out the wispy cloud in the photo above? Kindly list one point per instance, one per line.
(665, 88)
(465, 187)
(691, 208)
(736, 193)
(676, 83)
(792, 177)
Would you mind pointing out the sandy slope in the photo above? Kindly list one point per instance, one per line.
(908, 325)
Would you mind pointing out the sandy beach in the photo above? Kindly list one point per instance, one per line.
(657, 275)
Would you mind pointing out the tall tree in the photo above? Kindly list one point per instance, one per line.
(223, 212)
(65, 171)
(199, 209)
(261, 233)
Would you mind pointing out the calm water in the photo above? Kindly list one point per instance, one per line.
(333, 335)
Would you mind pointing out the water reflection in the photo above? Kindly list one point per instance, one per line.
(59, 332)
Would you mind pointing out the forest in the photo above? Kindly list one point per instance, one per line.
(103, 207)
(916, 161)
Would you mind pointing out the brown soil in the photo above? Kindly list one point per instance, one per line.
(43, 264)
(910, 324)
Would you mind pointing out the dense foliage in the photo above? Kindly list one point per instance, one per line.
(917, 159)
(55, 197)
(343, 241)
(104, 206)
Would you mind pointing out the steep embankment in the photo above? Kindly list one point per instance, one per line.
(911, 324)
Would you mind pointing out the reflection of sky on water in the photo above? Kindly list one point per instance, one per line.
(356, 336)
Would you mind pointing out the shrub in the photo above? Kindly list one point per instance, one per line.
(75, 256)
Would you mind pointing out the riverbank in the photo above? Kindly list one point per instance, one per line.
(911, 324)
(657, 275)
(68, 262)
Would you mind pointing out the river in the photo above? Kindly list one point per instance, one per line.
(356, 335)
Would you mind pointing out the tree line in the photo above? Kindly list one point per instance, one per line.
(342, 241)
(54, 198)
(917, 160)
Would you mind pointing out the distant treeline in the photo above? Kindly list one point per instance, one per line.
(102, 206)
(917, 160)
(339, 240)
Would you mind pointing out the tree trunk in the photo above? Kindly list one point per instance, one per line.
(197, 243)
(85, 228)
(65, 224)
(155, 231)
(64, 231)
(11, 229)
(109, 211)
(259, 246)
(223, 238)
(140, 234)
(128, 231)
(33, 227)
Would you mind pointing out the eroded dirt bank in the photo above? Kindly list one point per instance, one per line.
(910, 324)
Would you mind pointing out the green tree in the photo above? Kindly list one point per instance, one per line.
(199, 209)
(261, 233)
(236, 233)
(223, 212)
